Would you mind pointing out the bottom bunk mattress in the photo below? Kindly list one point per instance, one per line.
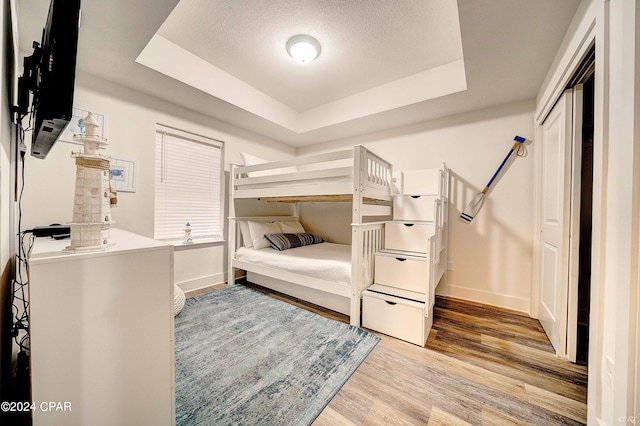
(325, 261)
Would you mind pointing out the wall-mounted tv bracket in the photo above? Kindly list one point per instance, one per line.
(28, 81)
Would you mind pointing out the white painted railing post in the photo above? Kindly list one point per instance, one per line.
(356, 237)
(231, 230)
(356, 275)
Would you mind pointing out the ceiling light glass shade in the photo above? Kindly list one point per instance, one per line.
(303, 48)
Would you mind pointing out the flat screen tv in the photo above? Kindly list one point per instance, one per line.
(55, 75)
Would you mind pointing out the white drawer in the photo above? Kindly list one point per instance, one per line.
(400, 318)
(414, 207)
(408, 236)
(402, 271)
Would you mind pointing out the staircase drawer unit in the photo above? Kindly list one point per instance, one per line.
(400, 300)
(414, 207)
(402, 270)
(408, 236)
(401, 318)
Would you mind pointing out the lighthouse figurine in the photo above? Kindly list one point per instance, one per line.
(92, 201)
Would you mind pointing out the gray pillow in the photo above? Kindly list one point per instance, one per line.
(282, 242)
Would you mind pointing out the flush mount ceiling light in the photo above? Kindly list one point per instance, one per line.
(303, 48)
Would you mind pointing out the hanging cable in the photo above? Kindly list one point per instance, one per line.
(25, 241)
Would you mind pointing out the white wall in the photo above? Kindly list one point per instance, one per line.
(131, 118)
(492, 255)
(331, 221)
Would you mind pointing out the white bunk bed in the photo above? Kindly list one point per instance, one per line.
(355, 175)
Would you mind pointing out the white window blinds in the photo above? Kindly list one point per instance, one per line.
(188, 185)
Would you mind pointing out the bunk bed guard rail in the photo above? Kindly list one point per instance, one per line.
(340, 174)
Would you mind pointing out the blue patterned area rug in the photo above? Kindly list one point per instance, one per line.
(244, 358)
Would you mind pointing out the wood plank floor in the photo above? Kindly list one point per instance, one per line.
(481, 366)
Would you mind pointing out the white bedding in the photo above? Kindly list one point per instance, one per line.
(327, 261)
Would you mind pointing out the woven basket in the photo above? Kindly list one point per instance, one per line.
(178, 300)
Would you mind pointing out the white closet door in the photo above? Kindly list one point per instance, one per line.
(556, 180)
(574, 225)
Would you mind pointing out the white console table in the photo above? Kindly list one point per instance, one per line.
(101, 327)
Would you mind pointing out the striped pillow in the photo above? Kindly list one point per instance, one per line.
(287, 241)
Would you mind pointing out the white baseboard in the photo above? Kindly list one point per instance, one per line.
(479, 296)
(202, 282)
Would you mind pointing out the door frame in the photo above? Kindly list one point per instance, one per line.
(586, 43)
(592, 30)
(605, 23)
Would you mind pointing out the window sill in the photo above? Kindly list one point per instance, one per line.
(179, 245)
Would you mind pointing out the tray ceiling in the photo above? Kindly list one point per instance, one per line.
(383, 63)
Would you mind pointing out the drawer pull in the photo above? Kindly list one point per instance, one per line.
(391, 303)
(408, 224)
(415, 196)
(399, 259)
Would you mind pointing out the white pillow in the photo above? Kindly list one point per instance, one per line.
(252, 160)
(246, 234)
(291, 227)
(258, 231)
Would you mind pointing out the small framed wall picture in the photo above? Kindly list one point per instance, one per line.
(123, 175)
(77, 127)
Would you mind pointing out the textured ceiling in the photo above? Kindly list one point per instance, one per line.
(507, 45)
(364, 43)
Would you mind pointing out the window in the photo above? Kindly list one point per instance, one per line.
(188, 185)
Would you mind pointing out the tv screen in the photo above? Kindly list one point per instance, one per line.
(55, 75)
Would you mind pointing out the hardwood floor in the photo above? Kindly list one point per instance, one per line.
(481, 366)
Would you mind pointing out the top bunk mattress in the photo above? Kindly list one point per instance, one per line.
(325, 261)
